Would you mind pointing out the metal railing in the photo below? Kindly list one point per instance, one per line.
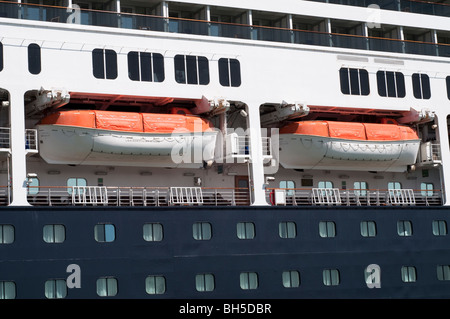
(31, 144)
(354, 197)
(413, 6)
(219, 29)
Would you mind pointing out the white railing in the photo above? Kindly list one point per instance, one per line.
(185, 196)
(89, 195)
(31, 144)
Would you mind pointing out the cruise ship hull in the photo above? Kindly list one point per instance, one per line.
(179, 257)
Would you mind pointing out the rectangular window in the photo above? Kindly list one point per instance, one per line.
(287, 230)
(391, 84)
(327, 229)
(409, 274)
(55, 289)
(289, 185)
(191, 69)
(153, 232)
(291, 279)
(202, 231)
(104, 64)
(368, 229)
(447, 82)
(145, 66)
(245, 230)
(330, 277)
(404, 228)
(104, 233)
(354, 81)
(54, 233)
(106, 286)
(7, 290)
(325, 184)
(421, 86)
(443, 272)
(229, 72)
(439, 228)
(248, 280)
(75, 181)
(426, 189)
(204, 282)
(360, 188)
(33, 186)
(1, 56)
(6, 234)
(34, 58)
(155, 285)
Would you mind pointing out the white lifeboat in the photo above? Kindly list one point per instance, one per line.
(94, 137)
(348, 146)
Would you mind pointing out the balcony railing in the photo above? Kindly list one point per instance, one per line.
(414, 6)
(219, 29)
(31, 144)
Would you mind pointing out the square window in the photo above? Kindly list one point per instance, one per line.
(202, 231)
(291, 279)
(368, 229)
(105, 233)
(330, 277)
(327, 229)
(204, 282)
(7, 290)
(153, 232)
(55, 289)
(248, 280)
(404, 228)
(107, 286)
(54, 233)
(245, 230)
(287, 230)
(155, 285)
(6, 234)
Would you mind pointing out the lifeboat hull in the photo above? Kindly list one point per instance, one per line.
(162, 141)
(355, 152)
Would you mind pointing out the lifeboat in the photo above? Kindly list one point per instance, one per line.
(348, 146)
(94, 137)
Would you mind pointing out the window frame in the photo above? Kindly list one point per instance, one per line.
(104, 64)
(354, 81)
(34, 58)
(145, 66)
(191, 69)
(229, 72)
(391, 84)
(421, 86)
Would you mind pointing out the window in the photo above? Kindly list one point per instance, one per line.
(105, 233)
(439, 227)
(55, 289)
(145, 66)
(409, 274)
(447, 81)
(229, 72)
(201, 231)
(191, 69)
(291, 279)
(153, 232)
(74, 182)
(327, 229)
(33, 186)
(287, 230)
(104, 64)
(248, 280)
(330, 277)
(421, 86)
(7, 290)
(6, 234)
(155, 285)
(204, 282)
(1, 56)
(106, 286)
(54, 233)
(290, 185)
(443, 272)
(391, 84)
(426, 189)
(404, 228)
(368, 229)
(360, 188)
(34, 58)
(325, 184)
(245, 230)
(354, 81)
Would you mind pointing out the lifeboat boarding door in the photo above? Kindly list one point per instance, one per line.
(242, 194)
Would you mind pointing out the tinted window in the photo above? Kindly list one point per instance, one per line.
(34, 58)
(145, 66)
(354, 81)
(391, 84)
(229, 72)
(193, 69)
(104, 64)
(1, 56)
(421, 86)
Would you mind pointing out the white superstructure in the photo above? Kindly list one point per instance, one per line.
(249, 68)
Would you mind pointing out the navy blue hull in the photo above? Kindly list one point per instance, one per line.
(30, 261)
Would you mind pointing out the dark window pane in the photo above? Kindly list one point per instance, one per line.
(180, 73)
(158, 67)
(345, 86)
(447, 80)
(235, 70)
(98, 63)
(203, 70)
(364, 78)
(224, 78)
(390, 80)
(354, 81)
(111, 64)
(133, 66)
(1, 56)
(426, 89)
(381, 82)
(400, 80)
(146, 66)
(34, 58)
(191, 69)
(417, 90)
